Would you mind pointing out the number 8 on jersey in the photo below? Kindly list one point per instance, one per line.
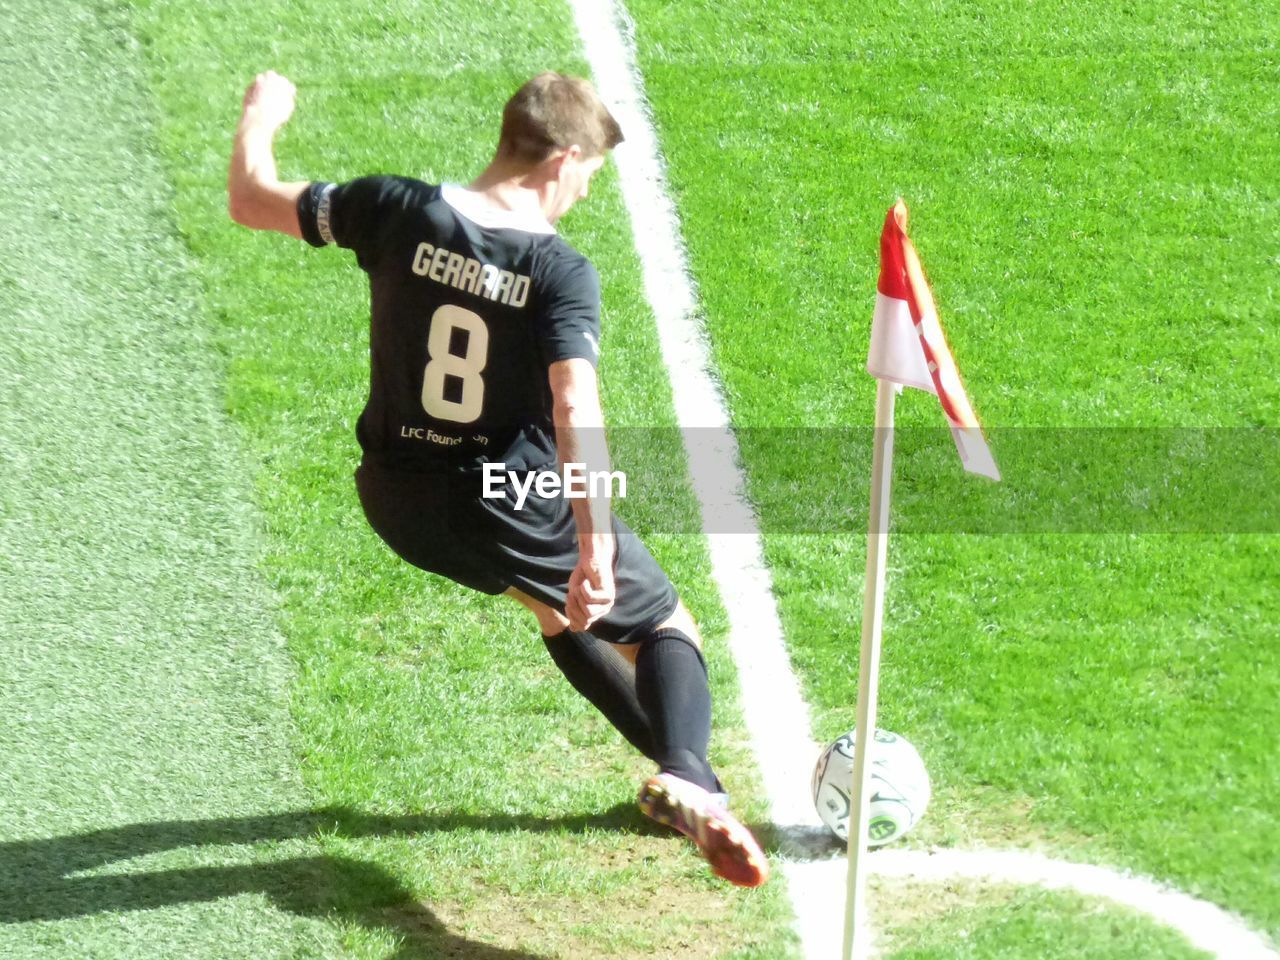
(465, 367)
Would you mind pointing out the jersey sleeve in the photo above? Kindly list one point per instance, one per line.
(358, 215)
(568, 323)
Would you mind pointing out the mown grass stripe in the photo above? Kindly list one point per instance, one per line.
(145, 683)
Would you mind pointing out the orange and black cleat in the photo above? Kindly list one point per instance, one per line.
(702, 816)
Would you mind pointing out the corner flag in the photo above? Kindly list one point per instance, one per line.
(908, 346)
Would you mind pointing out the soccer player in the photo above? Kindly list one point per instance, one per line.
(484, 341)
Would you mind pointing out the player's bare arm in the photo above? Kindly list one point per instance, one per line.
(256, 197)
(579, 423)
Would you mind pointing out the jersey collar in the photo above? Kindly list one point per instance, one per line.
(482, 213)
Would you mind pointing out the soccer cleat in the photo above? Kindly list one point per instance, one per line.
(701, 816)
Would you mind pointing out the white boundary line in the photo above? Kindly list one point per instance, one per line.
(776, 715)
(774, 709)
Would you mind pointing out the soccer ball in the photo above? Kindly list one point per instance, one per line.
(899, 787)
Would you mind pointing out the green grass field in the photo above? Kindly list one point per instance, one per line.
(144, 677)
(239, 727)
(1095, 198)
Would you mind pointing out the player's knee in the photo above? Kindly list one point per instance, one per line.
(550, 621)
(682, 621)
(666, 643)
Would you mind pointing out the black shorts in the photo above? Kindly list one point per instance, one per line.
(490, 546)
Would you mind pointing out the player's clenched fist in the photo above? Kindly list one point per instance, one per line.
(269, 100)
(591, 594)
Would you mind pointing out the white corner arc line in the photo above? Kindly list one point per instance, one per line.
(1206, 926)
(776, 715)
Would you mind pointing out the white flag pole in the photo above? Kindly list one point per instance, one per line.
(857, 929)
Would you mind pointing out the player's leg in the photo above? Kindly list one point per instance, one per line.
(686, 794)
(654, 690)
(671, 688)
(671, 693)
(604, 673)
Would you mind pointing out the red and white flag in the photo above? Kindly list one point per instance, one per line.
(908, 346)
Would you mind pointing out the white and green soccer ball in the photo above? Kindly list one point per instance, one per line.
(899, 786)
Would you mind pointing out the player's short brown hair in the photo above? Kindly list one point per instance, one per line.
(553, 112)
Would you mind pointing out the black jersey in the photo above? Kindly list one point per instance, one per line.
(470, 304)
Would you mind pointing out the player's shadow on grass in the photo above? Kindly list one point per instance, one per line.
(38, 878)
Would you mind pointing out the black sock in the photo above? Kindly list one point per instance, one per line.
(671, 682)
(607, 680)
